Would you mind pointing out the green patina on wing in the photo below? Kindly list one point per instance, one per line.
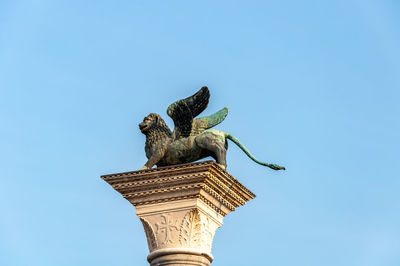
(203, 123)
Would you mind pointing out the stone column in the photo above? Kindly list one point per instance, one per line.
(180, 208)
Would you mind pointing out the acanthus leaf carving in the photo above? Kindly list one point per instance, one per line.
(151, 238)
(208, 233)
(191, 230)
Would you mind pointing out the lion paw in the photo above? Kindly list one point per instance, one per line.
(222, 166)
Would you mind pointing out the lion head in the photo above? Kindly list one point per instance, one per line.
(154, 122)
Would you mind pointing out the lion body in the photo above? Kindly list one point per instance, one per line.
(162, 149)
(193, 148)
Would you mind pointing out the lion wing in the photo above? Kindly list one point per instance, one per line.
(203, 123)
(184, 111)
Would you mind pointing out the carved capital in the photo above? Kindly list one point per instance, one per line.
(189, 228)
(181, 207)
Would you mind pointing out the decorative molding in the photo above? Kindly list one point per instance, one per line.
(167, 170)
(204, 180)
(210, 204)
(162, 190)
(164, 179)
(195, 197)
(174, 172)
(219, 197)
(155, 201)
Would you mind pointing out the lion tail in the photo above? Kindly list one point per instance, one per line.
(251, 156)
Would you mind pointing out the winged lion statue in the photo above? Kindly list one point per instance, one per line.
(192, 138)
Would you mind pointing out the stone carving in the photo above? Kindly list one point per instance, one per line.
(205, 181)
(197, 231)
(192, 139)
(190, 234)
(181, 207)
(165, 228)
(208, 233)
(151, 238)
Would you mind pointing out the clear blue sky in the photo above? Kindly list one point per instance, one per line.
(312, 85)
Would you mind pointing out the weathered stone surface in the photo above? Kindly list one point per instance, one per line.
(181, 207)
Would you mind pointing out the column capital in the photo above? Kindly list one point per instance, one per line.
(181, 207)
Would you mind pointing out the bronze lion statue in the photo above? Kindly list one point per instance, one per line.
(192, 139)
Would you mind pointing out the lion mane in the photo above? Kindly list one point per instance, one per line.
(158, 136)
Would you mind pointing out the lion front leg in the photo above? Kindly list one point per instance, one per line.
(151, 162)
(154, 159)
